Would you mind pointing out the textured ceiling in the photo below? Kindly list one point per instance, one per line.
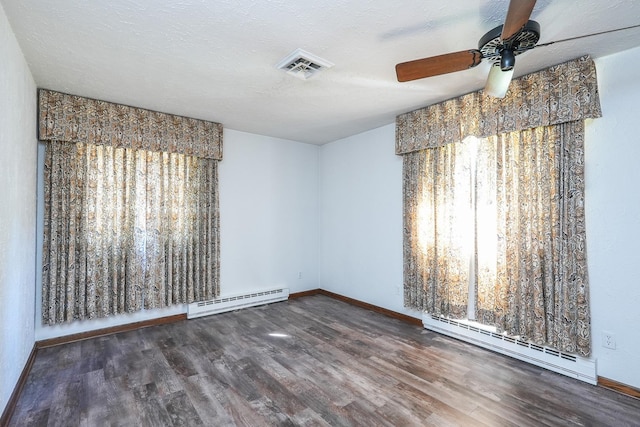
(215, 60)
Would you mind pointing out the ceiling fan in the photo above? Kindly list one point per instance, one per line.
(500, 46)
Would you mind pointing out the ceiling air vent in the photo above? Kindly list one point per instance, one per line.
(303, 64)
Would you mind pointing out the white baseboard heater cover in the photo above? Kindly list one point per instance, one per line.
(235, 302)
(545, 357)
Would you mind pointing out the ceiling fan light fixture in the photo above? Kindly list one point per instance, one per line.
(498, 81)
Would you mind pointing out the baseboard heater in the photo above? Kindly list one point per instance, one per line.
(545, 357)
(235, 302)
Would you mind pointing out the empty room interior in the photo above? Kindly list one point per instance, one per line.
(335, 213)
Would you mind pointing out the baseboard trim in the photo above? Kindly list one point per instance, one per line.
(390, 313)
(619, 387)
(17, 391)
(304, 294)
(111, 330)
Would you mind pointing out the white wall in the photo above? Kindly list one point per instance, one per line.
(269, 224)
(268, 213)
(613, 217)
(17, 210)
(361, 219)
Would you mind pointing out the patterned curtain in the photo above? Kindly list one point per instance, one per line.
(528, 263)
(535, 284)
(71, 118)
(438, 223)
(560, 94)
(125, 227)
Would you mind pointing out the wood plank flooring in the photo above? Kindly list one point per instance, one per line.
(312, 361)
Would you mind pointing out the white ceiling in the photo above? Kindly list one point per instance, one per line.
(215, 60)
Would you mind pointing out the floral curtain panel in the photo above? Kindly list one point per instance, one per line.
(126, 227)
(527, 235)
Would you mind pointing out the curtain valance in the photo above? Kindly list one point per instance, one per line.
(563, 93)
(70, 118)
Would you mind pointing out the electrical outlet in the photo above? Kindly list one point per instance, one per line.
(398, 290)
(299, 275)
(608, 340)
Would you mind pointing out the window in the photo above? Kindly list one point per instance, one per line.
(540, 290)
(131, 212)
(492, 230)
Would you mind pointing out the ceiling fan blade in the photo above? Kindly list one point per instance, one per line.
(517, 16)
(436, 65)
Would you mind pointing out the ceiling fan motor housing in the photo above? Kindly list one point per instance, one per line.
(504, 52)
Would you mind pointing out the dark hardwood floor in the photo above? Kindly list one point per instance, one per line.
(308, 361)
